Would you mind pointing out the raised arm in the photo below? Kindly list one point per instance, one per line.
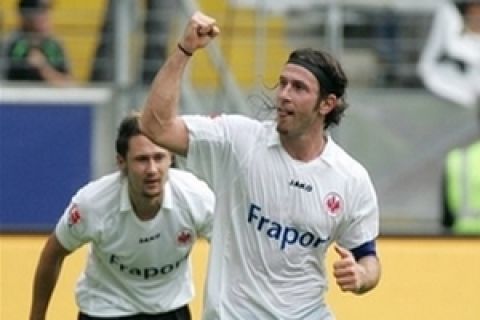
(159, 120)
(46, 276)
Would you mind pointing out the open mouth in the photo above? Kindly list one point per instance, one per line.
(284, 113)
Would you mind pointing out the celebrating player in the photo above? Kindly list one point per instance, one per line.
(285, 191)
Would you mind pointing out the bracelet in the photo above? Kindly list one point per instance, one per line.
(185, 51)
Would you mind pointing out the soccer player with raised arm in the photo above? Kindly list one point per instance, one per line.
(285, 190)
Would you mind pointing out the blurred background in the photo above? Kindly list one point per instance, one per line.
(397, 128)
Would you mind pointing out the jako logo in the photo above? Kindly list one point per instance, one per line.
(148, 239)
(301, 185)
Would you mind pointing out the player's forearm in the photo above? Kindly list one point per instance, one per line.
(371, 273)
(46, 277)
(162, 102)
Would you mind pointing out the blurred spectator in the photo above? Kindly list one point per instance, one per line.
(32, 52)
(461, 190)
(450, 68)
(450, 62)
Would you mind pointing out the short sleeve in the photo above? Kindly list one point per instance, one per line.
(205, 214)
(217, 145)
(362, 223)
(75, 227)
(208, 144)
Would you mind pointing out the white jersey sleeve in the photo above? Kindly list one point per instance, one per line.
(77, 225)
(206, 205)
(218, 143)
(362, 224)
(200, 199)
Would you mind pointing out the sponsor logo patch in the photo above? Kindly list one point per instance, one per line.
(145, 273)
(301, 185)
(74, 216)
(285, 235)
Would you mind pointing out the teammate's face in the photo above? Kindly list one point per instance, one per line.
(297, 99)
(146, 167)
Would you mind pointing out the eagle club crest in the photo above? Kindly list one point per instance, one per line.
(184, 237)
(74, 216)
(333, 204)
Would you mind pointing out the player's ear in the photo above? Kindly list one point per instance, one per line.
(327, 104)
(121, 163)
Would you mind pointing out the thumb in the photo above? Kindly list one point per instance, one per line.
(342, 252)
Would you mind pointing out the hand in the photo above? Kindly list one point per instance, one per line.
(200, 30)
(36, 58)
(347, 272)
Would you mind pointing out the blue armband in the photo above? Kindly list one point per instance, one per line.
(366, 249)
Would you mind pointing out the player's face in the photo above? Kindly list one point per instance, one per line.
(297, 99)
(472, 17)
(146, 168)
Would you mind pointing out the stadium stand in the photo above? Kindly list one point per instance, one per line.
(76, 23)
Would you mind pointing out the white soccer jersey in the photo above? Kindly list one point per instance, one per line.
(275, 218)
(136, 266)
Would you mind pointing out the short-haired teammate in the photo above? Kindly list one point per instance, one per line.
(141, 223)
(285, 191)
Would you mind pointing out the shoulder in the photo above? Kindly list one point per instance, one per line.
(241, 122)
(346, 164)
(16, 40)
(100, 192)
(222, 120)
(186, 183)
(16, 36)
(190, 192)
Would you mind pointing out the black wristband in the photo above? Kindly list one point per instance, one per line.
(187, 53)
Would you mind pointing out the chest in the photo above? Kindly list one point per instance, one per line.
(309, 197)
(167, 237)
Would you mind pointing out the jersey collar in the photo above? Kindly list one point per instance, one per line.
(328, 154)
(126, 205)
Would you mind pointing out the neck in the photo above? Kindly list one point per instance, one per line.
(145, 208)
(304, 148)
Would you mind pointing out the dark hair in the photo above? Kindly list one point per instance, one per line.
(464, 5)
(29, 6)
(128, 128)
(330, 75)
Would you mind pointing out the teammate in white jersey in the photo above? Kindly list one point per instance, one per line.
(285, 191)
(141, 223)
